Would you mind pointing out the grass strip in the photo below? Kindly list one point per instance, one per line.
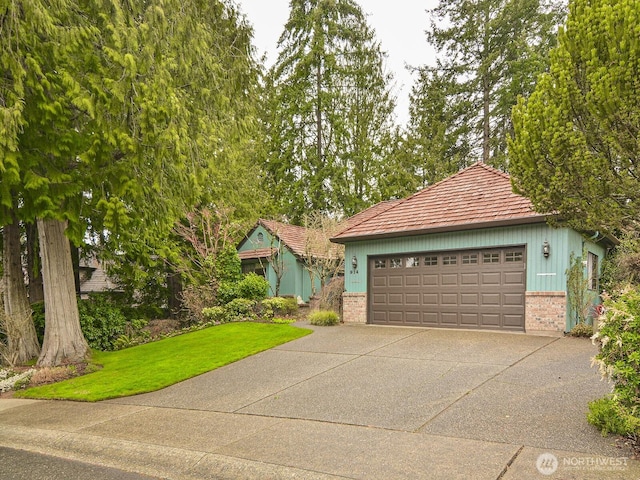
(152, 366)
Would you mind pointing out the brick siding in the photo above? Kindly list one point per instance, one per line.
(354, 307)
(546, 311)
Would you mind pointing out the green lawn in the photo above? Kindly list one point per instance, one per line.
(156, 365)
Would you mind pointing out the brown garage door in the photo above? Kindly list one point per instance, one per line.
(463, 289)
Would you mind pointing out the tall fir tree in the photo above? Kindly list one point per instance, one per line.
(488, 53)
(328, 111)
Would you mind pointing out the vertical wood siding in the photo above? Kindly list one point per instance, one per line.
(543, 274)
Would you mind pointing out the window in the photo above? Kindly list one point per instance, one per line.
(396, 263)
(470, 259)
(380, 264)
(513, 257)
(412, 262)
(592, 271)
(260, 237)
(449, 260)
(430, 261)
(491, 257)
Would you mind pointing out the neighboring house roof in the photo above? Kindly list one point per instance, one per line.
(477, 197)
(256, 253)
(293, 236)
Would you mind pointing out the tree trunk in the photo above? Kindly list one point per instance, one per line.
(174, 287)
(22, 340)
(63, 339)
(34, 267)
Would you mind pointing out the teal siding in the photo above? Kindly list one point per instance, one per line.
(543, 274)
(295, 280)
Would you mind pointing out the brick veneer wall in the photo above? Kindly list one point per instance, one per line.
(354, 307)
(546, 311)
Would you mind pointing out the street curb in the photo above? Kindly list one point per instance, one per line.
(147, 459)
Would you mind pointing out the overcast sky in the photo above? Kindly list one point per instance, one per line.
(399, 26)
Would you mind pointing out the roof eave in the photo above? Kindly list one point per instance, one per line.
(443, 229)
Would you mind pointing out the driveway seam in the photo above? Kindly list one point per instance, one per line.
(468, 392)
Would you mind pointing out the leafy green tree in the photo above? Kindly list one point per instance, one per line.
(328, 111)
(117, 118)
(575, 148)
(489, 52)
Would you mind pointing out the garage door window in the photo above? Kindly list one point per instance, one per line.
(380, 264)
(431, 261)
(396, 263)
(513, 257)
(413, 262)
(471, 259)
(450, 260)
(491, 258)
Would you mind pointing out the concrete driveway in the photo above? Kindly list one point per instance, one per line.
(360, 402)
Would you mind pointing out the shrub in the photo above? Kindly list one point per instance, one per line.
(253, 287)
(278, 306)
(227, 266)
(324, 318)
(240, 309)
(619, 359)
(607, 415)
(101, 321)
(227, 291)
(581, 330)
(215, 314)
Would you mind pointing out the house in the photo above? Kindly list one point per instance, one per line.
(272, 248)
(466, 252)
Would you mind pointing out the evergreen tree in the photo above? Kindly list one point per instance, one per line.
(489, 52)
(575, 148)
(328, 111)
(117, 115)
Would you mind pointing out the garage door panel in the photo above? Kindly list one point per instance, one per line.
(395, 299)
(514, 278)
(449, 279)
(482, 288)
(412, 299)
(467, 299)
(429, 280)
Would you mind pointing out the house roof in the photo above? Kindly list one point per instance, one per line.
(293, 236)
(369, 213)
(476, 197)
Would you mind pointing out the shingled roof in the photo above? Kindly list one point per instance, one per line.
(293, 236)
(477, 197)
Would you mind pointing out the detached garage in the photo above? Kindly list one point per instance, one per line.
(464, 253)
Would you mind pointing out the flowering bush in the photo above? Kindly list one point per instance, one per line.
(619, 360)
(10, 380)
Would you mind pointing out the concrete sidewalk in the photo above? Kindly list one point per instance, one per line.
(359, 402)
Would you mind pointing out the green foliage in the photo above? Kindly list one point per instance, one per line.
(579, 296)
(126, 372)
(253, 287)
(240, 309)
(324, 318)
(328, 111)
(619, 357)
(227, 265)
(278, 306)
(215, 314)
(575, 149)
(581, 330)
(488, 53)
(38, 319)
(607, 415)
(102, 322)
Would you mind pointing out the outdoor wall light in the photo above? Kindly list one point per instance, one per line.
(546, 249)
(354, 263)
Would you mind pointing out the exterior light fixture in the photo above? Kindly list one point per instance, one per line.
(546, 249)
(354, 263)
